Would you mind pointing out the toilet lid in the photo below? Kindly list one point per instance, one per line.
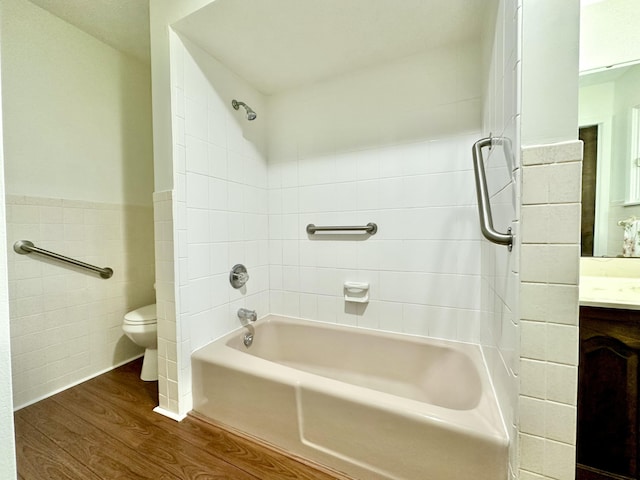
(142, 315)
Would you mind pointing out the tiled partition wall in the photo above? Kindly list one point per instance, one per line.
(168, 392)
(391, 145)
(221, 204)
(66, 324)
(500, 267)
(549, 309)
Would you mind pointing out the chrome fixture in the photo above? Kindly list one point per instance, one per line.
(251, 115)
(24, 247)
(238, 276)
(245, 314)
(248, 339)
(484, 204)
(371, 228)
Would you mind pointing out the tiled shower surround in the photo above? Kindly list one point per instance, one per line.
(392, 145)
(235, 206)
(66, 324)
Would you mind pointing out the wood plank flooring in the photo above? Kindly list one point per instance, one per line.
(105, 429)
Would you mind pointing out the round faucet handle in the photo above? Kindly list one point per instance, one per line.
(238, 276)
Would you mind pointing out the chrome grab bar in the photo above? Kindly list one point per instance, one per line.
(484, 205)
(371, 228)
(24, 247)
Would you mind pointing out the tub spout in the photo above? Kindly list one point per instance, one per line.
(246, 314)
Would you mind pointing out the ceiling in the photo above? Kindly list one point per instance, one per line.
(122, 24)
(280, 44)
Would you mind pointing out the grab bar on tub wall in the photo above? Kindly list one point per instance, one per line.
(371, 228)
(484, 205)
(24, 247)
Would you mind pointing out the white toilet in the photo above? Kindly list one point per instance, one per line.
(141, 326)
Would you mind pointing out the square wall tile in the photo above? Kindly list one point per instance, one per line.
(550, 264)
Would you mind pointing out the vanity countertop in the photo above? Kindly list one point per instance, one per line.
(610, 292)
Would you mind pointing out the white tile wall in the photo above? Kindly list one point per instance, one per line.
(426, 248)
(341, 154)
(549, 310)
(531, 340)
(166, 301)
(65, 323)
(501, 269)
(221, 211)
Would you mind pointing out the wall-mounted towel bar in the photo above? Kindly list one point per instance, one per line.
(24, 247)
(371, 228)
(484, 205)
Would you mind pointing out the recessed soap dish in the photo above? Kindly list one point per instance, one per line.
(357, 292)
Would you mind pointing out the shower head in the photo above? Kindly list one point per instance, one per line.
(251, 115)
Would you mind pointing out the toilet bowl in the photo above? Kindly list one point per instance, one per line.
(141, 326)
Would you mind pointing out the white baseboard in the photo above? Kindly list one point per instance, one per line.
(172, 415)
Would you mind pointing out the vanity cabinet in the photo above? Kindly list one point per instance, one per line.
(607, 436)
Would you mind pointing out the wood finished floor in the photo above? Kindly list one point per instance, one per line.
(105, 429)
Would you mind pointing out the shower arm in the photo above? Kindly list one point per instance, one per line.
(251, 114)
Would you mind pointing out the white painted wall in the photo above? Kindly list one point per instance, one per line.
(549, 78)
(78, 113)
(79, 180)
(164, 13)
(609, 33)
(7, 440)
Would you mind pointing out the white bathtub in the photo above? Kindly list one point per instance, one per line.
(370, 404)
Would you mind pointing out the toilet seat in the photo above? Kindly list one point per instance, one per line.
(142, 316)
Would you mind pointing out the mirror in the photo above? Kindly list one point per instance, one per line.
(609, 120)
(609, 103)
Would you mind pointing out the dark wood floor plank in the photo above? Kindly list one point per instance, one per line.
(38, 457)
(107, 425)
(273, 465)
(156, 444)
(108, 458)
(262, 462)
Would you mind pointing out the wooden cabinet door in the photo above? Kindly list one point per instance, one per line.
(608, 394)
